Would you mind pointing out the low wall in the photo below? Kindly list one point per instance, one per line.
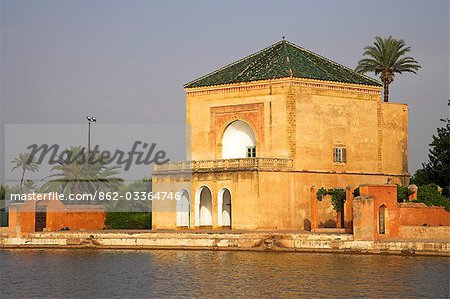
(418, 214)
(425, 232)
(77, 219)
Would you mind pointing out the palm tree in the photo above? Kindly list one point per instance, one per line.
(74, 174)
(24, 162)
(123, 204)
(385, 58)
(29, 184)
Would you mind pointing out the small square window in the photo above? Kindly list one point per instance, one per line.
(251, 152)
(340, 154)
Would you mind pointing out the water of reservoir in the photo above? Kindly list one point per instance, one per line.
(213, 274)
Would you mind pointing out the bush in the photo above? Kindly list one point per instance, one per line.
(3, 212)
(128, 220)
(403, 193)
(429, 195)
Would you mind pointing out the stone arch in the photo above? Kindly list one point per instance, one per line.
(183, 209)
(224, 213)
(237, 137)
(203, 207)
(382, 219)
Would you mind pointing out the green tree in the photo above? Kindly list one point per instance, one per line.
(78, 173)
(436, 170)
(3, 214)
(137, 189)
(431, 196)
(386, 58)
(24, 162)
(2, 192)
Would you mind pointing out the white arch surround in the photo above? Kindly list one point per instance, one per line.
(203, 206)
(238, 136)
(224, 208)
(183, 209)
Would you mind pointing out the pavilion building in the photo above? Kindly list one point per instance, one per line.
(266, 130)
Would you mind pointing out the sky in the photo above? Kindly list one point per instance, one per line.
(126, 61)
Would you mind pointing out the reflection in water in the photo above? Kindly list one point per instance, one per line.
(91, 273)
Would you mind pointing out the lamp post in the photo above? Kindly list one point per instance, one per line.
(90, 119)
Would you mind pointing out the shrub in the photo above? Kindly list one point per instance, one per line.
(403, 193)
(429, 195)
(128, 220)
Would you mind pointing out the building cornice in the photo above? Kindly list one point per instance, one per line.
(283, 82)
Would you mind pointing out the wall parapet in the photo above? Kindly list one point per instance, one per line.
(275, 164)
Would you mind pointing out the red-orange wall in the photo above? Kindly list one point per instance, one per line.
(380, 195)
(417, 214)
(75, 217)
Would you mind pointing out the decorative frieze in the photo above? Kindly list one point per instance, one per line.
(225, 164)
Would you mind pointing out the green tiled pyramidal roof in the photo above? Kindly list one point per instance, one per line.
(281, 60)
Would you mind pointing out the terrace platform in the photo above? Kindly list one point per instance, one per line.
(284, 241)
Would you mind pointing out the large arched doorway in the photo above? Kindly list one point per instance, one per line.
(238, 141)
(203, 202)
(224, 208)
(382, 211)
(183, 210)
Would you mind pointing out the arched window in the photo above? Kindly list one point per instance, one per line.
(183, 209)
(238, 141)
(382, 219)
(224, 208)
(203, 207)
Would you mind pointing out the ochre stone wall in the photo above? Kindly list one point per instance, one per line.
(303, 120)
(364, 221)
(395, 138)
(329, 118)
(326, 215)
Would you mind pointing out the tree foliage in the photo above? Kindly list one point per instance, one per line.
(78, 173)
(128, 220)
(128, 193)
(385, 58)
(430, 195)
(436, 170)
(403, 193)
(24, 162)
(2, 192)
